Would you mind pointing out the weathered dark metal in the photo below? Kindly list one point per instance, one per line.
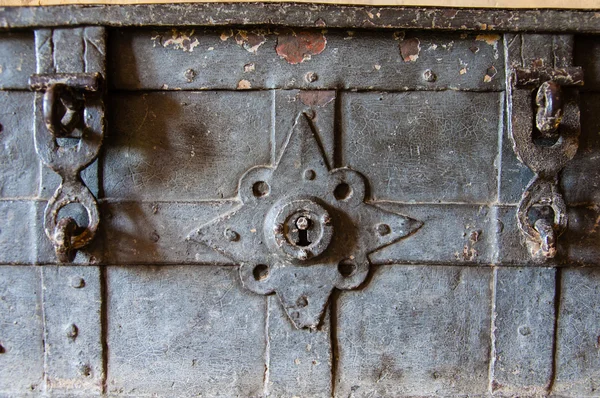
(557, 119)
(71, 92)
(542, 235)
(410, 101)
(90, 82)
(303, 228)
(550, 108)
(536, 75)
(302, 15)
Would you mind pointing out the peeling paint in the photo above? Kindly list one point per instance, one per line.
(226, 34)
(179, 40)
(410, 49)
(250, 41)
(490, 73)
(490, 39)
(249, 68)
(297, 47)
(316, 98)
(244, 85)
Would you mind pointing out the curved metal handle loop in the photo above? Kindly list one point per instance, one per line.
(55, 95)
(63, 159)
(61, 232)
(541, 233)
(546, 161)
(550, 112)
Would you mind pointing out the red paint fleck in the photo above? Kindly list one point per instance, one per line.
(297, 47)
(409, 49)
(450, 13)
(250, 41)
(316, 97)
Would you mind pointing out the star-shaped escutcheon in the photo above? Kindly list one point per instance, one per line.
(302, 229)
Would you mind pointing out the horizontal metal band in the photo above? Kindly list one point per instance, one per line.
(303, 15)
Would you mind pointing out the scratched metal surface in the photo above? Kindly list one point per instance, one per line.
(456, 309)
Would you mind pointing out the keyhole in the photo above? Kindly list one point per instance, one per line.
(303, 224)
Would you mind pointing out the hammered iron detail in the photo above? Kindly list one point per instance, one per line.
(303, 228)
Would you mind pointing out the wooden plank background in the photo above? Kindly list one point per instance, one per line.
(562, 4)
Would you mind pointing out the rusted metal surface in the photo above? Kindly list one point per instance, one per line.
(383, 221)
(550, 108)
(64, 98)
(557, 118)
(303, 15)
(371, 59)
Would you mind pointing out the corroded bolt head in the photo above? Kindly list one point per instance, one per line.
(85, 370)
(309, 174)
(429, 76)
(302, 301)
(71, 331)
(190, 75)
(302, 223)
(302, 254)
(524, 330)
(77, 282)
(311, 77)
(383, 229)
(231, 235)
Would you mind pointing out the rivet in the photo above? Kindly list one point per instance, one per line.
(383, 229)
(302, 301)
(77, 282)
(309, 174)
(429, 76)
(524, 330)
(231, 235)
(85, 370)
(311, 77)
(71, 331)
(154, 237)
(190, 75)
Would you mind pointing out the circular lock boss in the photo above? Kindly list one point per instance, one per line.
(302, 229)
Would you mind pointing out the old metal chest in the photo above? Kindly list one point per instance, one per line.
(299, 201)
